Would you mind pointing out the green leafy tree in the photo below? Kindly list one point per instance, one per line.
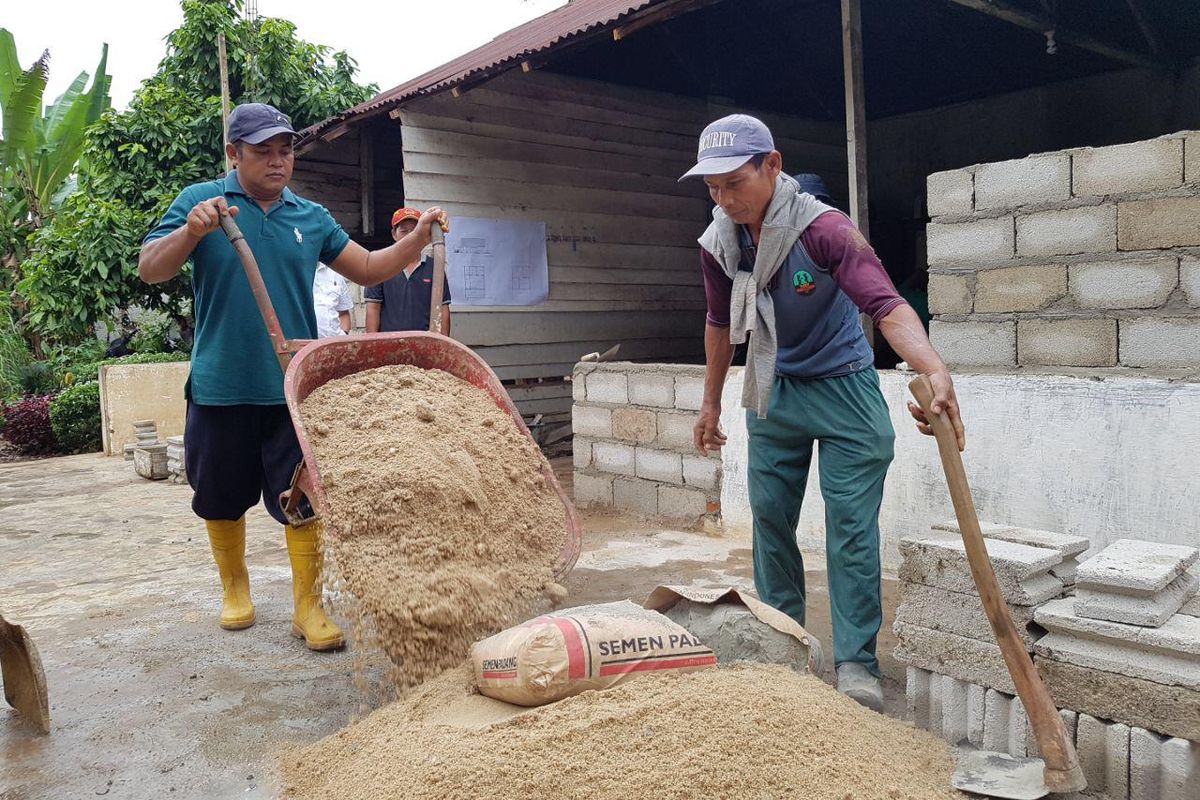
(84, 264)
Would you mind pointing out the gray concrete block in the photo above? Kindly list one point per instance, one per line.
(636, 495)
(1136, 167)
(950, 192)
(591, 421)
(581, 452)
(578, 388)
(701, 472)
(1067, 342)
(1136, 283)
(659, 465)
(608, 387)
(1191, 158)
(1160, 342)
(1103, 749)
(1004, 724)
(966, 243)
(1145, 767)
(957, 613)
(1066, 544)
(593, 490)
(1070, 720)
(1171, 710)
(735, 634)
(675, 431)
(975, 344)
(1152, 611)
(1181, 769)
(1179, 635)
(613, 458)
(1022, 571)
(965, 659)
(689, 392)
(1036, 179)
(649, 389)
(954, 710)
(1066, 571)
(976, 713)
(936, 697)
(949, 294)
(916, 696)
(1134, 567)
(1189, 271)
(1159, 224)
(1028, 288)
(1192, 607)
(1091, 229)
(681, 503)
(1132, 661)
(634, 425)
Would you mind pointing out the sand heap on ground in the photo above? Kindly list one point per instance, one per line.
(447, 530)
(750, 732)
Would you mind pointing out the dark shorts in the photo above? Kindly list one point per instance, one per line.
(237, 454)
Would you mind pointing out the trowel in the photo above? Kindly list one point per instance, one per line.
(981, 772)
(23, 676)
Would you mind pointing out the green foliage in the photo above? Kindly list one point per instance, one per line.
(67, 359)
(84, 265)
(91, 372)
(37, 377)
(152, 335)
(75, 418)
(14, 354)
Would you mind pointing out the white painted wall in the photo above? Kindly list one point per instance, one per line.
(1106, 459)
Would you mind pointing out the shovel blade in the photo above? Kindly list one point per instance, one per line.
(23, 676)
(999, 775)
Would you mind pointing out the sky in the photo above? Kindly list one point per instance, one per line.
(390, 41)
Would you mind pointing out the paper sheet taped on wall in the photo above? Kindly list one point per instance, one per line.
(497, 262)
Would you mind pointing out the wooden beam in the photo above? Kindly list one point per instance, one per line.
(366, 179)
(222, 63)
(856, 128)
(1035, 22)
(653, 16)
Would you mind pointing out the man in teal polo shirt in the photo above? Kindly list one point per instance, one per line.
(239, 439)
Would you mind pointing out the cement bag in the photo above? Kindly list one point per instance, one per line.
(588, 647)
(739, 627)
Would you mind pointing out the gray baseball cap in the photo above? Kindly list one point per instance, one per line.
(254, 123)
(728, 143)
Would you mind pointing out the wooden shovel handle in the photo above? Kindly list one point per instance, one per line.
(254, 276)
(439, 278)
(1062, 772)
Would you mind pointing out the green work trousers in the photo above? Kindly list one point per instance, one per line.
(848, 419)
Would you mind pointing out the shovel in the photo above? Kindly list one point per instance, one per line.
(997, 774)
(23, 676)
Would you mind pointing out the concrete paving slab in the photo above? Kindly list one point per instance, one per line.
(1130, 566)
(1180, 635)
(1066, 571)
(1150, 611)
(1066, 544)
(959, 657)
(941, 561)
(1169, 710)
(1135, 662)
(957, 613)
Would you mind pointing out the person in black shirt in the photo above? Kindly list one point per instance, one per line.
(402, 302)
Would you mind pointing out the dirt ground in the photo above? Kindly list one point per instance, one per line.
(113, 578)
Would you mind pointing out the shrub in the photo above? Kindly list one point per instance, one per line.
(91, 372)
(38, 378)
(75, 418)
(28, 424)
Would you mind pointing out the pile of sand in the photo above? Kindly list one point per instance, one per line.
(446, 529)
(752, 731)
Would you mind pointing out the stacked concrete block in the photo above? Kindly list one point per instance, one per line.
(941, 626)
(633, 440)
(1162, 767)
(176, 463)
(1140, 583)
(1081, 259)
(1068, 546)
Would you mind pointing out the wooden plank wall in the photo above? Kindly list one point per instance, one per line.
(329, 175)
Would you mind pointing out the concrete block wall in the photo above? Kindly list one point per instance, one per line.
(1085, 259)
(633, 440)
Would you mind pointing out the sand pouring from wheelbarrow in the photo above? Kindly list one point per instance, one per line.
(308, 364)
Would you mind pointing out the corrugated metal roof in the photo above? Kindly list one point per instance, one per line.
(575, 18)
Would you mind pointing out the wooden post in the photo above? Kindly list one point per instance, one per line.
(221, 61)
(856, 128)
(366, 179)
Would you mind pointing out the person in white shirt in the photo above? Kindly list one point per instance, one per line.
(331, 299)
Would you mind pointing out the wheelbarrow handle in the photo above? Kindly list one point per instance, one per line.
(438, 237)
(254, 276)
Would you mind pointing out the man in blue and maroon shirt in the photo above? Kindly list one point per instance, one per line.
(796, 272)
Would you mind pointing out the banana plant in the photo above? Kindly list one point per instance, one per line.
(39, 150)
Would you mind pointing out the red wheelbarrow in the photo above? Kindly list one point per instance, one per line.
(308, 364)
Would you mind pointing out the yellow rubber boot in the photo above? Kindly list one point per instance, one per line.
(228, 540)
(308, 620)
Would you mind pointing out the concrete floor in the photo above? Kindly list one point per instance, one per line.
(113, 578)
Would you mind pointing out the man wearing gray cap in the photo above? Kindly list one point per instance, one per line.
(795, 272)
(239, 439)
